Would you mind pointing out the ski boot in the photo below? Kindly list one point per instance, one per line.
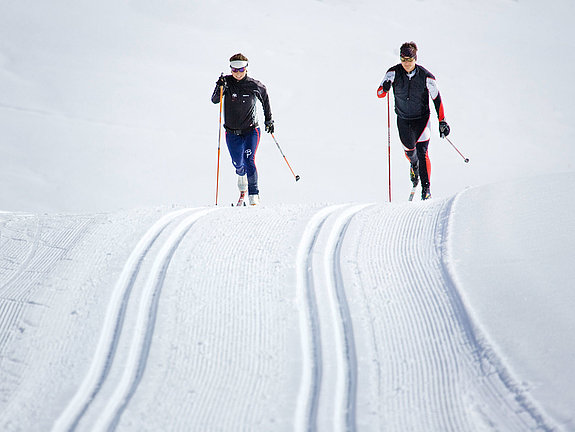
(425, 192)
(254, 199)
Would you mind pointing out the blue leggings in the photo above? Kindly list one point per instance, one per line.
(243, 152)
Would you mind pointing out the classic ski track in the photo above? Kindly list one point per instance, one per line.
(308, 399)
(435, 376)
(346, 394)
(145, 322)
(308, 411)
(115, 316)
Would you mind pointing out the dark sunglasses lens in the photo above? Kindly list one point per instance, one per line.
(238, 69)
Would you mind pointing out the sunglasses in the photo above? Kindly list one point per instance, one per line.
(239, 69)
(407, 59)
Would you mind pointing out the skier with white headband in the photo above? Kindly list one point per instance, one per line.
(240, 122)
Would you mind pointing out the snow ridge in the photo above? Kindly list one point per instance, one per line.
(501, 379)
(435, 373)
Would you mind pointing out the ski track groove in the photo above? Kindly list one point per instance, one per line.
(346, 396)
(308, 411)
(114, 318)
(308, 399)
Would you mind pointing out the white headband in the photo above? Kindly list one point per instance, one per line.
(237, 64)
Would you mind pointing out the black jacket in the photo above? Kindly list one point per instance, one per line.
(411, 92)
(240, 103)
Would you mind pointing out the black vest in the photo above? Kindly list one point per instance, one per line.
(411, 94)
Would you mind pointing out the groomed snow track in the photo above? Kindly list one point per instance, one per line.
(309, 318)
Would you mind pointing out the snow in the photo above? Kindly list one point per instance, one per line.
(129, 301)
(514, 259)
(349, 316)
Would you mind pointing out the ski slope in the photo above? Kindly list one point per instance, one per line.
(350, 316)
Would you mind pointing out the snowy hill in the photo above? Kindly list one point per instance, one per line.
(453, 314)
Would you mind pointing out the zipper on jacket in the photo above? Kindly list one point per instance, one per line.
(409, 76)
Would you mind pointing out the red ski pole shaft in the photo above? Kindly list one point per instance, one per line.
(219, 143)
(388, 148)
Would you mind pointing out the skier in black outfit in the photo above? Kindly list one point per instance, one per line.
(240, 122)
(412, 85)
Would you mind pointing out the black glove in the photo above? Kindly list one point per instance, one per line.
(270, 126)
(221, 81)
(443, 129)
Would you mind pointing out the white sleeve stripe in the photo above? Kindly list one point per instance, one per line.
(432, 87)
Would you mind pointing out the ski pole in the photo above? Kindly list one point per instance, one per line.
(466, 160)
(219, 141)
(289, 166)
(388, 148)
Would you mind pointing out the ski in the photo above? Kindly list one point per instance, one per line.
(241, 199)
(412, 193)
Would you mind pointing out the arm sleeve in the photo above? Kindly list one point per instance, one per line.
(386, 83)
(216, 95)
(436, 97)
(262, 95)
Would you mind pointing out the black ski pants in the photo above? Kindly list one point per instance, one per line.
(414, 135)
